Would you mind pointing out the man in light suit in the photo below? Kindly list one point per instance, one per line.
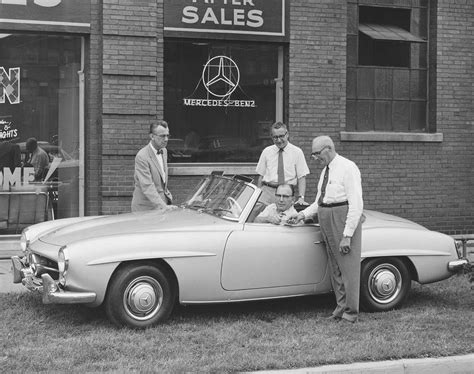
(151, 172)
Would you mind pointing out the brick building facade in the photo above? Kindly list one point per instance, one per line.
(425, 176)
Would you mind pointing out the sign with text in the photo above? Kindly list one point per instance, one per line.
(244, 17)
(45, 15)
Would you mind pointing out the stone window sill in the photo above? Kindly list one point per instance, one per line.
(376, 136)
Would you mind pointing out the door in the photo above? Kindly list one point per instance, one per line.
(267, 256)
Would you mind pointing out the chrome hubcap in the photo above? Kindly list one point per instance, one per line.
(385, 283)
(142, 298)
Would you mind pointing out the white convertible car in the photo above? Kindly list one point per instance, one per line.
(139, 265)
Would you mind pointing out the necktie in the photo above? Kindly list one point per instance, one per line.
(323, 186)
(281, 167)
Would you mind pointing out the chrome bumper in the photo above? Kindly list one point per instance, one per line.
(459, 265)
(47, 286)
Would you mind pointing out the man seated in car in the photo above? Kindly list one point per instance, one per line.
(279, 212)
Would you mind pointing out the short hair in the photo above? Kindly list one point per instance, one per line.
(279, 125)
(292, 187)
(161, 123)
(31, 143)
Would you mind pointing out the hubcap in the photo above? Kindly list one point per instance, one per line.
(385, 283)
(142, 298)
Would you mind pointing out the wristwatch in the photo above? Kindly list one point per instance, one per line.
(301, 197)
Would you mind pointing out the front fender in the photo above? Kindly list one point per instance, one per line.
(93, 261)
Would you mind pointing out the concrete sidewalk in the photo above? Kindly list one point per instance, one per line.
(443, 365)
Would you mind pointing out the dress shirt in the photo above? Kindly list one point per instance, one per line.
(271, 210)
(159, 157)
(344, 184)
(294, 162)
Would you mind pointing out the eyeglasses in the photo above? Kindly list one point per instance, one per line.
(277, 137)
(317, 153)
(283, 196)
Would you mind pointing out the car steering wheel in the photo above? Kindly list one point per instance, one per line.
(235, 207)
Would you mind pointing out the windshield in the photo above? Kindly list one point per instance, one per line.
(223, 196)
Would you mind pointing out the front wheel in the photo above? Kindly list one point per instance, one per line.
(384, 284)
(139, 296)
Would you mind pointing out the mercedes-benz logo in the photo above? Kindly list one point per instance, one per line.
(221, 76)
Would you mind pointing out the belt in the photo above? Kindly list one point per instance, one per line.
(270, 184)
(333, 205)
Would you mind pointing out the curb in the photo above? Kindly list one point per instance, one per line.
(452, 364)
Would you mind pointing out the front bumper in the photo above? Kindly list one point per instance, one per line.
(47, 286)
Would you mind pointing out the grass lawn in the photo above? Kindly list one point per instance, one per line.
(437, 320)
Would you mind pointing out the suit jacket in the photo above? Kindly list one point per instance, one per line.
(151, 190)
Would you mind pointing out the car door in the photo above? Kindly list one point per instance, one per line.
(267, 256)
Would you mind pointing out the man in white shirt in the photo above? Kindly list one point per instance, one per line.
(279, 212)
(339, 207)
(281, 163)
(151, 172)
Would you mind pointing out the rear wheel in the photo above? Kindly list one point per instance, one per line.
(139, 296)
(385, 283)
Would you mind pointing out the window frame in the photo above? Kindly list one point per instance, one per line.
(429, 133)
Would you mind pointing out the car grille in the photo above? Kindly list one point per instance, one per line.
(43, 265)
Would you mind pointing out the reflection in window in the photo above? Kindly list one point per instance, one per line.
(47, 111)
(219, 99)
(387, 74)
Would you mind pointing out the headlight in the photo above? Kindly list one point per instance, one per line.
(63, 264)
(24, 240)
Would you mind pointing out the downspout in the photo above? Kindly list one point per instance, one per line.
(80, 73)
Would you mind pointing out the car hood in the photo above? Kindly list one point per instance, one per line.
(150, 221)
(375, 219)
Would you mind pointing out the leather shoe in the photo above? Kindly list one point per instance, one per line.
(332, 317)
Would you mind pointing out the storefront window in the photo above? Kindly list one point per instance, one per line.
(39, 99)
(220, 99)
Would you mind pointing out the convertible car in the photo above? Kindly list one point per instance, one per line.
(210, 250)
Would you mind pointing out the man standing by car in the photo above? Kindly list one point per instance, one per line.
(281, 163)
(339, 207)
(151, 172)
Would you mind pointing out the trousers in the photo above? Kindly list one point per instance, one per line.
(344, 269)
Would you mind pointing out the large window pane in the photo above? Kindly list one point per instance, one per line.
(219, 99)
(41, 71)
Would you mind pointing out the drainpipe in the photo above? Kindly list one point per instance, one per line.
(80, 73)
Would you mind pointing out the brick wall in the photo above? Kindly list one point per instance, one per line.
(430, 183)
(131, 92)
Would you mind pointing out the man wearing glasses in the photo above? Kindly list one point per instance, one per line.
(281, 163)
(279, 212)
(151, 172)
(339, 207)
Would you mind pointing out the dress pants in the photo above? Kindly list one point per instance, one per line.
(345, 269)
